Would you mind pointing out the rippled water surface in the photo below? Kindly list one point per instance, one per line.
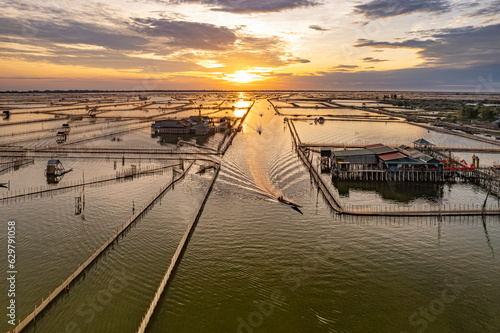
(252, 263)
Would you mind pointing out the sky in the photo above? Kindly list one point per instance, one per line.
(425, 45)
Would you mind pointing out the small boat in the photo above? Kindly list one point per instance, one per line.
(287, 202)
(292, 205)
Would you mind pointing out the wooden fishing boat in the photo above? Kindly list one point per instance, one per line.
(287, 202)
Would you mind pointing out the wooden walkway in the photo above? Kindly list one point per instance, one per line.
(176, 257)
(6, 166)
(102, 179)
(42, 151)
(341, 118)
(229, 141)
(398, 211)
(326, 193)
(362, 145)
(67, 283)
(463, 210)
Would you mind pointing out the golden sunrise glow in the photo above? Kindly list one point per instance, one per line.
(239, 112)
(242, 104)
(210, 64)
(243, 77)
(241, 107)
(238, 44)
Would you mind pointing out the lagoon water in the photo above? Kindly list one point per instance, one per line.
(253, 264)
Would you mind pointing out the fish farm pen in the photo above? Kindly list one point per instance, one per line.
(393, 159)
(195, 198)
(69, 144)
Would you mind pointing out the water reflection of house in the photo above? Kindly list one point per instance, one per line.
(398, 191)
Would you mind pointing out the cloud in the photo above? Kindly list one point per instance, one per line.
(58, 11)
(68, 42)
(377, 9)
(257, 52)
(458, 47)
(343, 68)
(136, 44)
(298, 61)
(260, 43)
(70, 32)
(483, 79)
(346, 66)
(491, 9)
(407, 44)
(102, 58)
(318, 28)
(249, 6)
(183, 34)
(373, 60)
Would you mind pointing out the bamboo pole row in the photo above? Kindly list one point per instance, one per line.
(69, 281)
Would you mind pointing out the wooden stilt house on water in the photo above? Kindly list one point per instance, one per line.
(196, 125)
(54, 168)
(380, 162)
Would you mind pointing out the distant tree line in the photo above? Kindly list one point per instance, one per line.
(481, 112)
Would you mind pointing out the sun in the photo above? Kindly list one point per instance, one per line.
(243, 77)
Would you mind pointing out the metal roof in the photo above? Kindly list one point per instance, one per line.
(382, 150)
(391, 156)
(376, 145)
(353, 152)
(404, 160)
(412, 153)
(429, 160)
(423, 142)
(169, 123)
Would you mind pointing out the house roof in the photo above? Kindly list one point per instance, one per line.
(423, 142)
(353, 152)
(412, 153)
(376, 145)
(382, 150)
(391, 156)
(169, 123)
(429, 160)
(404, 160)
(53, 162)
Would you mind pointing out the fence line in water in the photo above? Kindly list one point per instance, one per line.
(176, 257)
(362, 144)
(66, 284)
(324, 189)
(423, 210)
(431, 210)
(80, 182)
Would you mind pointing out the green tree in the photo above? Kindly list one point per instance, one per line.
(488, 113)
(470, 112)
